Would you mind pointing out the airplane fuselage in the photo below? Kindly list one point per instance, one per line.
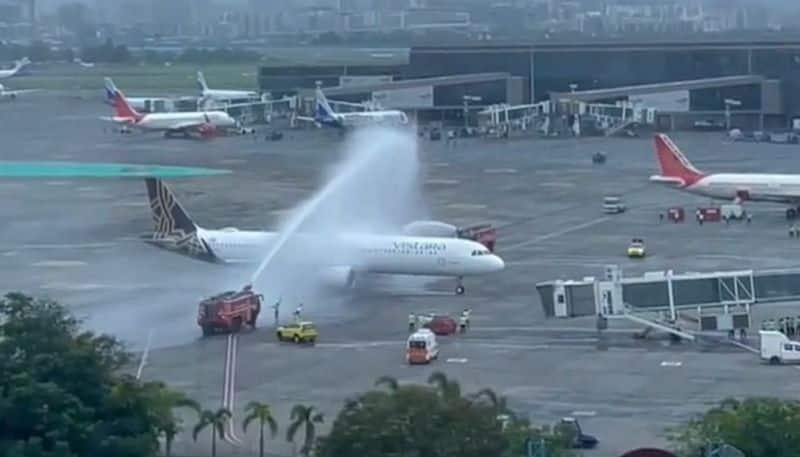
(178, 121)
(227, 95)
(778, 188)
(383, 254)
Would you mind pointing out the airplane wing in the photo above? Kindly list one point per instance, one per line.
(14, 93)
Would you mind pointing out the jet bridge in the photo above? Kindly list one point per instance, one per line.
(709, 301)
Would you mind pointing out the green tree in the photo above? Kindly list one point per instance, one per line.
(165, 403)
(759, 427)
(448, 388)
(61, 393)
(263, 414)
(389, 382)
(305, 417)
(217, 420)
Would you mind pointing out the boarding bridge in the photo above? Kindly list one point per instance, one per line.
(711, 301)
(253, 112)
(504, 114)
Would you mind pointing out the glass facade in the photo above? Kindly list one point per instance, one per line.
(600, 66)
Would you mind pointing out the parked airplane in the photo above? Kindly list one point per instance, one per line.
(382, 254)
(204, 123)
(18, 65)
(325, 115)
(678, 172)
(222, 94)
(12, 94)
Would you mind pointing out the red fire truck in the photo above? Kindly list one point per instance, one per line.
(229, 311)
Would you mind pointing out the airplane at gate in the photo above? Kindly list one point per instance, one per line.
(205, 123)
(679, 173)
(18, 65)
(13, 94)
(222, 94)
(324, 115)
(381, 254)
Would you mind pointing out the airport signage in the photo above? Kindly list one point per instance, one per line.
(673, 101)
(412, 97)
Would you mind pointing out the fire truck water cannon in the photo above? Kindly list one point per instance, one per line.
(229, 311)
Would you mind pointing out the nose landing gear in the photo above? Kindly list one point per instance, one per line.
(460, 287)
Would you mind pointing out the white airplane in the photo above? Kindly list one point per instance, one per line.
(408, 254)
(678, 172)
(13, 94)
(222, 94)
(324, 115)
(205, 123)
(18, 65)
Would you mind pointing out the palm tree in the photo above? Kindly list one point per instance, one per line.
(388, 381)
(304, 416)
(169, 426)
(217, 420)
(448, 389)
(263, 413)
(496, 401)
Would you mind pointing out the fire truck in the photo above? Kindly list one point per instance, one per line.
(229, 311)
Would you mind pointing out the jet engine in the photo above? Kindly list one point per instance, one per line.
(431, 228)
(338, 277)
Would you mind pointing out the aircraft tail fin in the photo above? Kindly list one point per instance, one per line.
(673, 163)
(174, 230)
(323, 111)
(169, 217)
(117, 99)
(201, 82)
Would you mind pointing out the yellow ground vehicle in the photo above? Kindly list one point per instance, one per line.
(636, 248)
(298, 332)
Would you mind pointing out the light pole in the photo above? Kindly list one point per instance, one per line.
(728, 103)
(467, 99)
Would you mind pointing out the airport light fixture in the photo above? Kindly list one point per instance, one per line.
(728, 103)
(467, 99)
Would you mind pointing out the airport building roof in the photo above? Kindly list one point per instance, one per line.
(615, 92)
(410, 83)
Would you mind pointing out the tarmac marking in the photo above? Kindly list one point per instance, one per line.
(59, 263)
(563, 184)
(551, 329)
(583, 413)
(10, 253)
(491, 171)
(670, 363)
(57, 183)
(87, 189)
(456, 360)
(137, 203)
(72, 286)
(443, 182)
(558, 233)
(440, 164)
(466, 206)
(68, 246)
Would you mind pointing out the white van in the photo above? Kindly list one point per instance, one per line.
(421, 347)
(613, 205)
(777, 348)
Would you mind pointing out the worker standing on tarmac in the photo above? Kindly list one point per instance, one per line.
(412, 322)
(298, 312)
(276, 309)
(462, 322)
(466, 314)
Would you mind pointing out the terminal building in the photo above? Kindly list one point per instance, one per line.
(753, 84)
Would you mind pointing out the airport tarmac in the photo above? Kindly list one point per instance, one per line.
(78, 241)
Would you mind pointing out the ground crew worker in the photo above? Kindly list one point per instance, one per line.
(700, 218)
(462, 322)
(466, 313)
(298, 312)
(661, 217)
(276, 309)
(749, 218)
(412, 322)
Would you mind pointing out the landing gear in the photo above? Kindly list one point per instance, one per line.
(460, 288)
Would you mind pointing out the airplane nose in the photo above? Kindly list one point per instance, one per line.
(497, 263)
